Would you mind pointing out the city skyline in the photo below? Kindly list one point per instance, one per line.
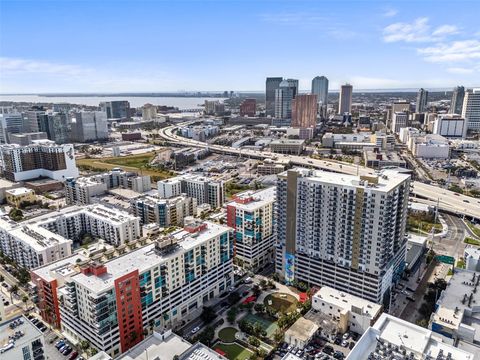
(399, 47)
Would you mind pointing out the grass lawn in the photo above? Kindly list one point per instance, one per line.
(281, 302)
(473, 228)
(227, 334)
(129, 163)
(268, 325)
(471, 241)
(234, 351)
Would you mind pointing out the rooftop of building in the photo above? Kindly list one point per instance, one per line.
(416, 239)
(9, 328)
(472, 252)
(127, 194)
(287, 142)
(19, 191)
(37, 237)
(392, 337)
(62, 268)
(147, 257)
(6, 183)
(375, 154)
(348, 302)
(157, 346)
(385, 180)
(251, 200)
(201, 352)
(302, 329)
(462, 287)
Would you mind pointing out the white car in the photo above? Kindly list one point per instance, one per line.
(195, 329)
(344, 343)
(346, 336)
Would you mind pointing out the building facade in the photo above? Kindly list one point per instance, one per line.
(248, 107)
(43, 158)
(304, 111)
(456, 105)
(89, 126)
(284, 96)
(471, 109)
(164, 212)
(250, 214)
(271, 85)
(345, 100)
(422, 101)
(116, 109)
(450, 126)
(344, 231)
(320, 88)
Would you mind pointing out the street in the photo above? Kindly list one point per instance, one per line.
(452, 242)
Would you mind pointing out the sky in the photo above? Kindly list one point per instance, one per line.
(211, 45)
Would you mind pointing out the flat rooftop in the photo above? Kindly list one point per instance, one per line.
(30, 333)
(258, 198)
(19, 191)
(347, 301)
(37, 237)
(146, 257)
(386, 180)
(287, 142)
(461, 285)
(63, 268)
(200, 352)
(391, 336)
(157, 346)
(302, 329)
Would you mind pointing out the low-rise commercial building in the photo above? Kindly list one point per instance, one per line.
(19, 195)
(472, 258)
(20, 339)
(301, 332)
(351, 312)
(450, 126)
(392, 337)
(250, 214)
(24, 139)
(377, 159)
(430, 147)
(288, 146)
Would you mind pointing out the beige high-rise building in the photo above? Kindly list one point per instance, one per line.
(345, 101)
(304, 111)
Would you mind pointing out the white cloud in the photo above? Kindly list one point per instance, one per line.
(390, 13)
(15, 65)
(460, 70)
(455, 51)
(446, 30)
(417, 31)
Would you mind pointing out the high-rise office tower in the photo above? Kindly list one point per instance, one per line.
(89, 126)
(293, 83)
(344, 231)
(248, 107)
(320, 88)
(456, 104)
(116, 109)
(399, 120)
(283, 99)
(35, 121)
(58, 128)
(304, 111)
(471, 109)
(271, 85)
(10, 123)
(345, 101)
(422, 100)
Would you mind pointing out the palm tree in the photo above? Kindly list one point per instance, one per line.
(25, 300)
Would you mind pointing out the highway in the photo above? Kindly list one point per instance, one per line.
(447, 201)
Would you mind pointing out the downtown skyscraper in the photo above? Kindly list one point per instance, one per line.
(344, 231)
(345, 100)
(422, 100)
(456, 104)
(271, 85)
(471, 109)
(304, 111)
(284, 95)
(320, 88)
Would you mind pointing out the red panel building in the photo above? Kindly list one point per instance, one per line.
(304, 111)
(248, 107)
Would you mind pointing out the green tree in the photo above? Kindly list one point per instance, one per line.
(232, 314)
(260, 308)
(25, 300)
(208, 314)
(206, 336)
(252, 340)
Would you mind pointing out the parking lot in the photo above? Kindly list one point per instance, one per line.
(321, 348)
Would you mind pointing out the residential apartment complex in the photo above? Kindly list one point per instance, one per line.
(81, 190)
(160, 284)
(250, 214)
(20, 339)
(344, 231)
(41, 159)
(164, 212)
(205, 190)
(30, 245)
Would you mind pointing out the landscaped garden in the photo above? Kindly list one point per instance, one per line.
(227, 335)
(281, 302)
(233, 351)
(270, 326)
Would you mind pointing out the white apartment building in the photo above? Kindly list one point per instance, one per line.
(114, 226)
(10, 123)
(164, 212)
(30, 245)
(206, 190)
(471, 109)
(399, 120)
(393, 338)
(406, 133)
(344, 231)
(160, 284)
(250, 214)
(20, 339)
(352, 313)
(450, 126)
(81, 190)
(43, 158)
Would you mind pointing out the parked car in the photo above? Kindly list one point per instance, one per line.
(195, 330)
(351, 345)
(67, 351)
(73, 356)
(346, 336)
(338, 355)
(344, 343)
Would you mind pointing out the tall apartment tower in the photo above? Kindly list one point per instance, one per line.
(10, 123)
(456, 104)
(471, 109)
(89, 126)
(304, 111)
(283, 99)
(399, 120)
(344, 231)
(345, 101)
(271, 85)
(34, 121)
(422, 100)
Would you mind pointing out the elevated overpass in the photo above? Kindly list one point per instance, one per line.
(446, 200)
